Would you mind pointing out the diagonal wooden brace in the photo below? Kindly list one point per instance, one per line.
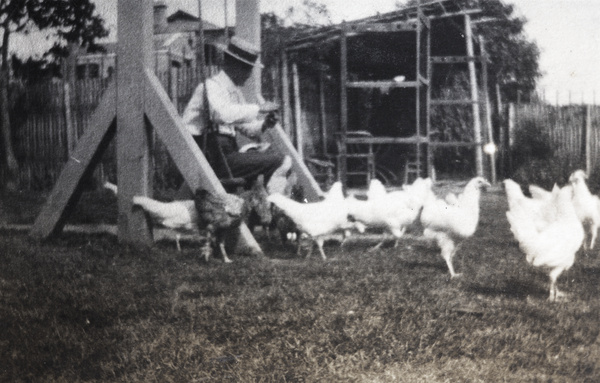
(186, 154)
(79, 166)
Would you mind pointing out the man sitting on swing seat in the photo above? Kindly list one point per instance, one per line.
(229, 113)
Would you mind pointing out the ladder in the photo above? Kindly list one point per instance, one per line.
(470, 59)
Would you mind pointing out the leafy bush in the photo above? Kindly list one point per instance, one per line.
(531, 142)
(543, 172)
(534, 156)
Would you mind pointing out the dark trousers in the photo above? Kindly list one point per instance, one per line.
(247, 165)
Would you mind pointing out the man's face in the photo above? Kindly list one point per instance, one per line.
(238, 71)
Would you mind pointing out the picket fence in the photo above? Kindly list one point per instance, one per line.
(574, 130)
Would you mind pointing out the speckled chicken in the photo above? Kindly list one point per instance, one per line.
(218, 213)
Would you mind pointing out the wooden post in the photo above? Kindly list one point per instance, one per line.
(135, 30)
(502, 132)
(200, 56)
(297, 112)
(588, 140)
(512, 116)
(248, 25)
(285, 90)
(488, 109)
(474, 96)
(322, 112)
(342, 155)
(68, 81)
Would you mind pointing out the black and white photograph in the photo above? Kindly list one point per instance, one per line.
(399, 191)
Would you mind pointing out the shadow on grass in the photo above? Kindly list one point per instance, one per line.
(513, 288)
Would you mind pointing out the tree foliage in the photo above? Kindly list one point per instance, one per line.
(276, 30)
(514, 59)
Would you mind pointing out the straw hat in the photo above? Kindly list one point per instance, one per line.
(241, 50)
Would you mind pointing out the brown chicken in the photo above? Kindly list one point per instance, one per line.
(216, 215)
(258, 208)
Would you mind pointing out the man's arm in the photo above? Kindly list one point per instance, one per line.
(193, 114)
(226, 112)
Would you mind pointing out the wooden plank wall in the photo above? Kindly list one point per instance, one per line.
(43, 138)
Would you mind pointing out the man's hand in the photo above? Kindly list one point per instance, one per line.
(268, 107)
(270, 121)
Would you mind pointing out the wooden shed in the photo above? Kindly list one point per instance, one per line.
(393, 96)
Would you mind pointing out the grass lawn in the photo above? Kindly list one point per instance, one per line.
(83, 308)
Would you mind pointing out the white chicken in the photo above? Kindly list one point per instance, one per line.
(449, 224)
(394, 211)
(539, 193)
(539, 209)
(175, 215)
(553, 248)
(586, 206)
(318, 220)
(180, 216)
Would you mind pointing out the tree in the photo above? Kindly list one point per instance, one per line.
(70, 22)
(276, 31)
(513, 58)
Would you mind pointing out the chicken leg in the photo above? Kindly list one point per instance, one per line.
(448, 247)
(224, 253)
(554, 292)
(397, 234)
(320, 243)
(177, 238)
(594, 232)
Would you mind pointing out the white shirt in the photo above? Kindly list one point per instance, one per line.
(227, 106)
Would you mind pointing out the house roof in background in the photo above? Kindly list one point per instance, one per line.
(180, 15)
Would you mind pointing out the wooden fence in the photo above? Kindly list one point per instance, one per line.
(48, 118)
(573, 130)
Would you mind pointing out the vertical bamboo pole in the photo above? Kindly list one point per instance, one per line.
(511, 134)
(474, 96)
(488, 109)
(69, 69)
(502, 131)
(285, 90)
(298, 112)
(342, 155)
(322, 112)
(588, 140)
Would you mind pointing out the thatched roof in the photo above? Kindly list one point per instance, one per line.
(404, 18)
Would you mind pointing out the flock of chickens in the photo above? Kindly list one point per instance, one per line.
(549, 226)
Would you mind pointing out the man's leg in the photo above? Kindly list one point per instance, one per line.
(251, 164)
